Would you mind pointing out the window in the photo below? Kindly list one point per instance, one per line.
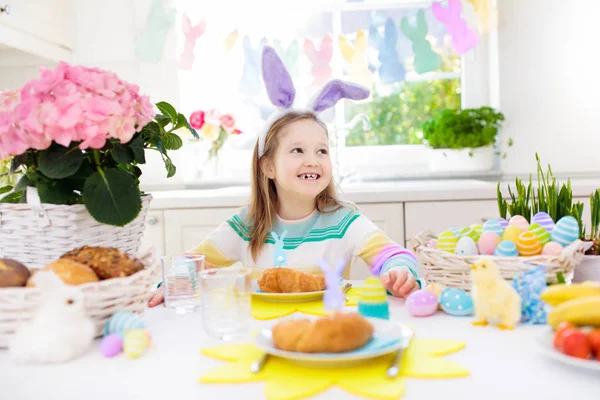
(377, 137)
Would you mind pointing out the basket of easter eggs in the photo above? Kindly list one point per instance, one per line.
(514, 245)
(111, 280)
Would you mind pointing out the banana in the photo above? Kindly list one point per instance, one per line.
(558, 294)
(582, 311)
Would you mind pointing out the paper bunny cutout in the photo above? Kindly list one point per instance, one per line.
(487, 15)
(356, 57)
(250, 84)
(281, 92)
(333, 298)
(60, 329)
(463, 37)
(192, 33)
(425, 58)
(391, 69)
(230, 40)
(279, 256)
(320, 59)
(151, 41)
(289, 56)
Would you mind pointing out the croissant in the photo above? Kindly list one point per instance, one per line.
(287, 280)
(338, 333)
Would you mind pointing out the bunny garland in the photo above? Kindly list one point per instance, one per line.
(391, 69)
(289, 56)
(230, 40)
(487, 15)
(320, 59)
(282, 93)
(192, 33)
(463, 37)
(356, 57)
(279, 256)
(151, 41)
(333, 299)
(250, 82)
(425, 58)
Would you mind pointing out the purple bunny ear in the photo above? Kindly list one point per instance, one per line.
(278, 81)
(339, 266)
(324, 265)
(335, 90)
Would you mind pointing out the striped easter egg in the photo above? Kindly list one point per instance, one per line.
(470, 232)
(447, 241)
(503, 222)
(493, 225)
(520, 221)
(512, 233)
(373, 291)
(456, 231)
(506, 248)
(135, 343)
(528, 244)
(478, 230)
(566, 231)
(544, 220)
(123, 321)
(539, 231)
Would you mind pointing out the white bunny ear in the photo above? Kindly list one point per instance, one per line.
(47, 280)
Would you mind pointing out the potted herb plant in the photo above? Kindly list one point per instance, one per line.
(462, 140)
(589, 269)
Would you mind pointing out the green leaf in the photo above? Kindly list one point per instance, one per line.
(59, 162)
(112, 197)
(560, 277)
(162, 120)
(172, 142)
(55, 192)
(5, 189)
(168, 110)
(122, 153)
(14, 197)
(23, 183)
(137, 147)
(151, 132)
(171, 169)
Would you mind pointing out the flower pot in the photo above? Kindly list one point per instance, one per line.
(461, 160)
(588, 269)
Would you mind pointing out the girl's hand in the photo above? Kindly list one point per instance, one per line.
(157, 297)
(400, 282)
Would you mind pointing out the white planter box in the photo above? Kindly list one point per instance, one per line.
(458, 160)
(588, 270)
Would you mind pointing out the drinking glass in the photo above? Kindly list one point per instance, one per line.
(180, 281)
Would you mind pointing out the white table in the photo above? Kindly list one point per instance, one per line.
(503, 366)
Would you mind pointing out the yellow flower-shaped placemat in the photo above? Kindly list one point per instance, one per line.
(288, 381)
(263, 309)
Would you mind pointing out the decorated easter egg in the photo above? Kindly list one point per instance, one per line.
(432, 243)
(456, 231)
(503, 222)
(493, 225)
(478, 230)
(528, 244)
(539, 231)
(506, 248)
(488, 242)
(520, 221)
(552, 249)
(456, 302)
(421, 303)
(123, 321)
(466, 247)
(373, 299)
(436, 289)
(566, 231)
(469, 231)
(111, 345)
(511, 233)
(135, 343)
(544, 220)
(447, 241)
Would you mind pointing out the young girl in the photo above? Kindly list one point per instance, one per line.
(293, 201)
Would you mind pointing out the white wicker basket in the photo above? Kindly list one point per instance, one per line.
(102, 299)
(454, 270)
(36, 234)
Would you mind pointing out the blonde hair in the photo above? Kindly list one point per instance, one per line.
(264, 200)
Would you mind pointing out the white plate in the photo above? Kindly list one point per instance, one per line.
(546, 344)
(383, 328)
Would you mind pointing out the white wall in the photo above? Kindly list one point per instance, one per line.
(550, 84)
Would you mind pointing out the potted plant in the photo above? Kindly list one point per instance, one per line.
(76, 137)
(462, 140)
(589, 269)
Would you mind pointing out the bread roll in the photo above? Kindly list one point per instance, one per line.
(13, 273)
(287, 280)
(70, 272)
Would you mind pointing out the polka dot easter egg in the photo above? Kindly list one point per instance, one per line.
(421, 303)
(539, 231)
(457, 302)
(528, 245)
(506, 248)
(466, 247)
(447, 241)
(493, 225)
(552, 249)
(470, 232)
(136, 343)
(123, 321)
(488, 242)
(544, 220)
(566, 231)
(512, 233)
(436, 289)
(520, 221)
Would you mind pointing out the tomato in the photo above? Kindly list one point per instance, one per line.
(594, 338)
(575, 343)
(559, 332)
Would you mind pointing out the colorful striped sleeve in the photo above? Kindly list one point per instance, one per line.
(222, 247)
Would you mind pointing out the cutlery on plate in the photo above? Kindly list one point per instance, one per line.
(394, 368)
(345, 289)
(259, 363)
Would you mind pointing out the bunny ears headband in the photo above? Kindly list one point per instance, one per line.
(282, 93)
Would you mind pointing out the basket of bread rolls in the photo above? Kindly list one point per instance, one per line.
(111, 279)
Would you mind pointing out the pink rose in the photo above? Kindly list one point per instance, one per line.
(197, 119)
(228, 123)
(237, 132)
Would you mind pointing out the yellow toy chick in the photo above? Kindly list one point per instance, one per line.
(493, 297)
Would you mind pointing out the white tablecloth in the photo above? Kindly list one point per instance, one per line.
(504, 365)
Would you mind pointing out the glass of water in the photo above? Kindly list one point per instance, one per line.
(225, 297)
(180, 281)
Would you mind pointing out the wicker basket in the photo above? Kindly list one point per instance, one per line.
(103, 299)
(454, 270)
(36, 234)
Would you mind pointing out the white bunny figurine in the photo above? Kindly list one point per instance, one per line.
(60, 330)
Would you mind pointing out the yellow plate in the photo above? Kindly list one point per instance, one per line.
(286, 297)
